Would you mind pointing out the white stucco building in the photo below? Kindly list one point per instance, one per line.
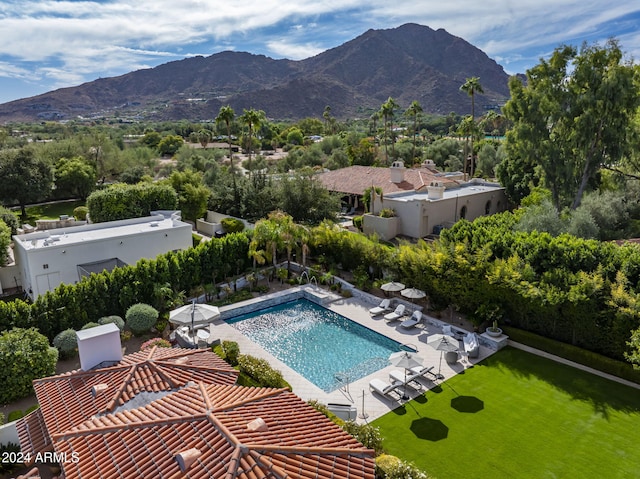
(47, 259)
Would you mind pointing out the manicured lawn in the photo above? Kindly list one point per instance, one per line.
(517, 415)
(52, 211)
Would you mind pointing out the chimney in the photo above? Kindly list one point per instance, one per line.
(397, 171)
(185, 459)
(257, 424)
(435, 190)
(99, 344)
(99, 388)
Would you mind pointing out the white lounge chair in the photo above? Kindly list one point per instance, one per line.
(415, 318)
(383, 388)
(396, 314)
(419, 372)
(383, 307)
(396, 376)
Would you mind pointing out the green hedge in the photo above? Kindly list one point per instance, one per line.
(261, 372)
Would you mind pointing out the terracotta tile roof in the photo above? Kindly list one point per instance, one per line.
(68, 399)
(355, 179)
(184, 401)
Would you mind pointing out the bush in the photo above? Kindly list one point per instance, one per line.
(117, 320)
(231, 352)
(10, 219)
(387, 213)
(367, 434)
(66, 342)
(25, 355)
(5, 449)
(261, 371)
(15, 415)
(232, 225)
(322, 408)
(161, 343)
(80, 213)
(140, 318)
(357, 222)
(90, 325)
(391, 467)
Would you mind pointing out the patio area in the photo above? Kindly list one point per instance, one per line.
(369, 405)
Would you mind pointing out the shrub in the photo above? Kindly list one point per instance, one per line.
(322, 408)
(15, 415)
(90, 325)
(5, 449)
(387, 213)
(66, 342)
(232, 225)
(117, 320)
(161, 324)
(140, 318)
(80, 213)
(261, 371)
(231, 352)
(25, 355)
(357, 222)
(161, 343)
(391, 467)
(2, 421)
(10, 219)
(367, 434)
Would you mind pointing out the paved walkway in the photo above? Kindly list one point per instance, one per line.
(357, 393)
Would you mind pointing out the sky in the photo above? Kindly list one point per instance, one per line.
(50, 44)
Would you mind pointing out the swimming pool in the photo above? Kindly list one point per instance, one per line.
(321, 345)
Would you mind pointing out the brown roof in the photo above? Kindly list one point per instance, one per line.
(355, 179)
(132, 419)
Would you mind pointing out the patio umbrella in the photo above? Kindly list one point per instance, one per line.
(392, 287)
(441, 342)
(406, 360)
(413, 293)
(194, 314)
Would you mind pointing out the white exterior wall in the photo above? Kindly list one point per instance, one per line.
(45, 267)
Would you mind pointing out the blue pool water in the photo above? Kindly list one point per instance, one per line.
(323, 346)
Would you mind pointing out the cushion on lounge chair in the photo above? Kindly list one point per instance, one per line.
(415, 318)
(384, 306)
(397, 314)
(381, 387)
(419, 372)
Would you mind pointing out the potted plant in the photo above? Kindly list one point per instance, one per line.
(494, 330)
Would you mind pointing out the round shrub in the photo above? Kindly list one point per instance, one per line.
(161, 343)
(357, 222)
(80, 213)
(117, 320)
(90, 325)
(391, 467)
(232, 225)
(25, 355)
(140, 318)
(231, 352)
(66, 342)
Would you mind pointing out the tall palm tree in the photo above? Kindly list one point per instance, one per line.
(472, 86)
(326, 114)
(387, 111)
(252, 118)
(226, 115)
(413, 111)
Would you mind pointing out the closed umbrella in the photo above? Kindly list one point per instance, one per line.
(405, 360)
(441, 342)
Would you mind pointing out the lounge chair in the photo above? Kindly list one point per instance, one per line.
(419, 372)
(396, 376)
(383, 307)
(471, 345)
(383, 388)
(395, 315)
(415, 318)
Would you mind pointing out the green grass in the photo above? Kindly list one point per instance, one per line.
(519, 415)
(52, 211)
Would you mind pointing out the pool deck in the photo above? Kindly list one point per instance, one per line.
(357, 309)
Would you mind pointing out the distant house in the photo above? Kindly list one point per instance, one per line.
(174, 413)
(424, 200)
(46, 259)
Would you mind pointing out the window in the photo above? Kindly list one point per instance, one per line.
(463, 212)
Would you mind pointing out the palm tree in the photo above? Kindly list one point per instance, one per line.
(472, 86)
(204, 137)
(326, 114)
(252, 118)
(387, 111)
(226, 115)
(413, 111)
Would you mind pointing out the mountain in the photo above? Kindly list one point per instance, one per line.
(410, 62)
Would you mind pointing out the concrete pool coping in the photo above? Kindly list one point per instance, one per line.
(357, 393)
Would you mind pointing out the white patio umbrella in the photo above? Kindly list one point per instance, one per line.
(413, 293)
(441, 342)
(392, 286)
(405, 360)
(194, 314)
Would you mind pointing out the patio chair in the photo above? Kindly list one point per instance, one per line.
(420, 372)
(383, 307)
(448, 330)
(383, 388)
(395, 315)
(415, 319)
(396, 376)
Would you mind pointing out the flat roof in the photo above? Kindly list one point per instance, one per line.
(95, 231)
(468, 189)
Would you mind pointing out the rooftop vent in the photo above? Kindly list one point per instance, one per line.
(185, 459)
(99, 388)
(99, 344)
(257, 424)
(153, 224)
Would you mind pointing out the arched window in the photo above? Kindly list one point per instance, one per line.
(463, 212)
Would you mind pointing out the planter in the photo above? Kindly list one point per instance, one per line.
(494, 332)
